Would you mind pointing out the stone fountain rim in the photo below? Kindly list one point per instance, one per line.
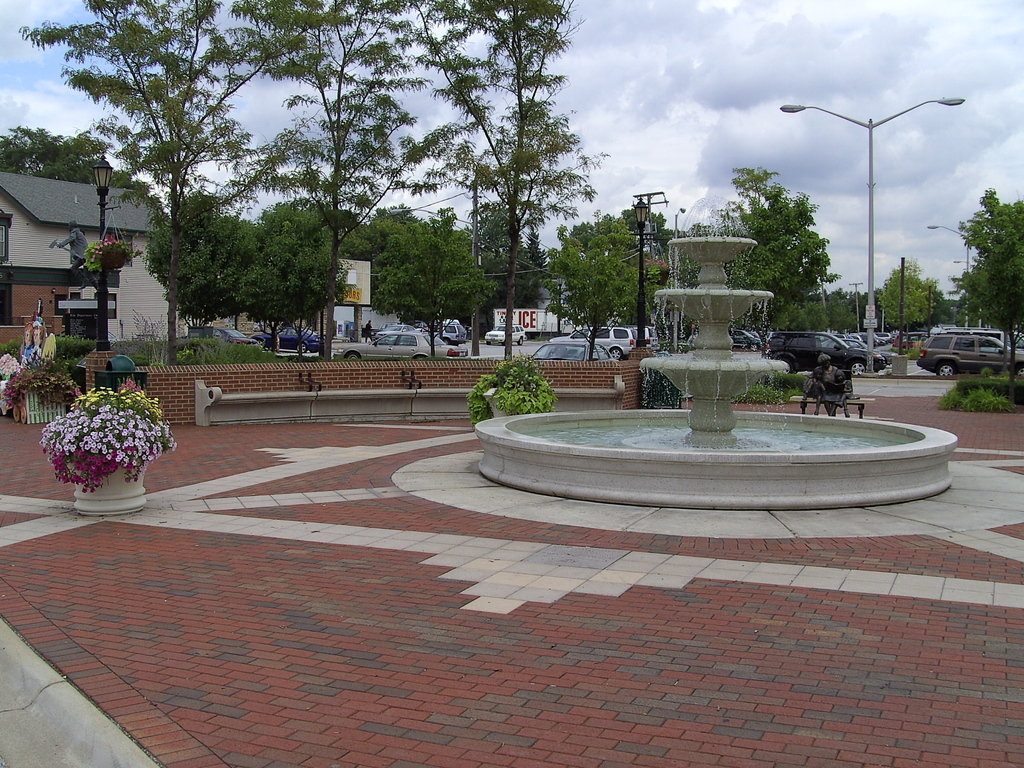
(724, 479)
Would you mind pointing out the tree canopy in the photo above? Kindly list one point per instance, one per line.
(170, 71)
(918, 295)
(790, 259)
(427, 273)
(591, 284)
(992, 287)
(517, 148)
(352, 141)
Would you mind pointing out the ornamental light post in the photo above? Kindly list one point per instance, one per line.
(869, 310)
(642, 211)
(102, 173)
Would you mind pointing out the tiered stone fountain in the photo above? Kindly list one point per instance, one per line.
(712, 457)
(713, 376)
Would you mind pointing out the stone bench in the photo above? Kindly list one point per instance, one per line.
(215, 406)
(859, 402)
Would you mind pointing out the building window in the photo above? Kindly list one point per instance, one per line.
(5, 225)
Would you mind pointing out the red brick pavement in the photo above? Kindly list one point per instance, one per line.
(217, 650)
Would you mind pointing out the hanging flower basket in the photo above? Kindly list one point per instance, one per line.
(108, 254)
(657, 272)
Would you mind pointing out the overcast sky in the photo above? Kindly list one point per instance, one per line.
(677, 93)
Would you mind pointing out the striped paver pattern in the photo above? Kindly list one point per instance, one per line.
(301, 595)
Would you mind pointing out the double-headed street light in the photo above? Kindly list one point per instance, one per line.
(871, 125)
(958, 234)
(102, 173)
(642, 211)
(967, 261)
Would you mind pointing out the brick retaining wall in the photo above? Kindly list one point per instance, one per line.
(174, 385)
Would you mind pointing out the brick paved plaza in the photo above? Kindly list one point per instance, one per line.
(286, 599)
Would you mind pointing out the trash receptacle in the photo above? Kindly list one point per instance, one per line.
(120, 368)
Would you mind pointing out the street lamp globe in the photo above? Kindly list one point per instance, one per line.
(102, 173)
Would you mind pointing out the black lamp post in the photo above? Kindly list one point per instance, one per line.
(102, 172)
(642, 211)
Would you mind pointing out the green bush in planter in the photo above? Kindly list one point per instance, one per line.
(519, 387)
(997, 385)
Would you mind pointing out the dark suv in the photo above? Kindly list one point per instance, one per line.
(948, 354)
(800, 350)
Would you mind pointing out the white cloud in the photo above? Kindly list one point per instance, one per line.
(680, 92)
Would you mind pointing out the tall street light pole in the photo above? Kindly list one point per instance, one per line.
(102, 173)
(869, 310)
(642, 211)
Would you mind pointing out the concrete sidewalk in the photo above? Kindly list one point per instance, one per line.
(353, 595)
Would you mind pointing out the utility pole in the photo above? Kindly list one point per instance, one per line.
(475, 343)
(856, 303)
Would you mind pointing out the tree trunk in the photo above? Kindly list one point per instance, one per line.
(172, 289)
(510, 279)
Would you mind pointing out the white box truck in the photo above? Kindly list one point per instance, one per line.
(537, 322)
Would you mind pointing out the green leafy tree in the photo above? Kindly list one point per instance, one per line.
(216, 253)
(592, 285)
(170, 73)
(526, 156)
(992, 288)
(918, 295)
(352, 141)
(790, 259)
(427, 273)
(288, 275)
(37, 152)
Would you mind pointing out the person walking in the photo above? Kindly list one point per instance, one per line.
(367, 332)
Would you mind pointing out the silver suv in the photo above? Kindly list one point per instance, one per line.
(619, 340)
(948, 354)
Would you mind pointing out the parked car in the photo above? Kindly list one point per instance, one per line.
(229, 335)
(454, 332)
(948, 354)
(414, 345)
(745, 339)
(388, 328)
(619, 340)
(289, 339)
(570, 350)
(497, 336)
(800, 350)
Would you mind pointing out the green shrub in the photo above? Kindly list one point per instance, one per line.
(519, 387)
(977, 400)
(997, 385)
(217, 352)
(763, 393)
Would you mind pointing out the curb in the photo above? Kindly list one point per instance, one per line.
(46, 721)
